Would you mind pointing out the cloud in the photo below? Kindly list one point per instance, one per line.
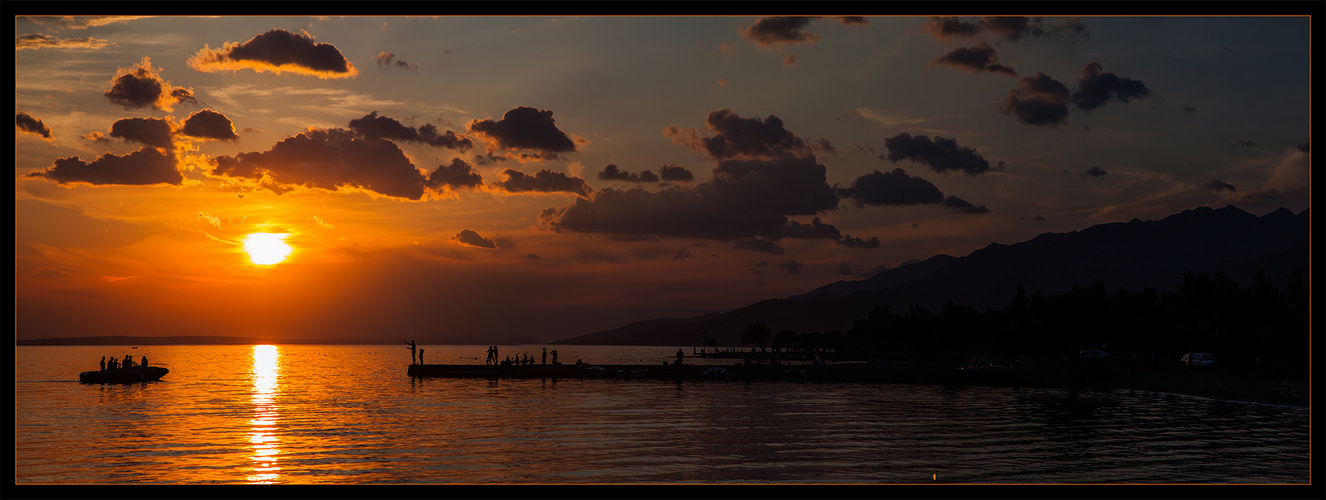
(543, 181)
(278, 51)
(894, 188)
(1218, 186)
(28, 123)
(472, 239)
(36, 41)
(675, 173)
(329, 159)
(1010, 28)
(525, 128)
(1095, 88)
(613, 173)
(756, 244)
(142, 167)
(387, 60)
(208, 124)
(960, 206)
(845, 269)
(140, 87)
(78, 23)
(737, 137)
(791, 266)
(1095, 172)
(1246, 144)
(373, 126)
(770, 31)
(95, 136)
(153, 132)
(942, 154)
(854, 242)
(458, 175)
(790, 60)
(981, 58)
(1038, 100)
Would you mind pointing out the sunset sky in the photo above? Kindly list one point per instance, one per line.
(536, 178)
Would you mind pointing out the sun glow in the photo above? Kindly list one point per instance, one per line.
(266, 249)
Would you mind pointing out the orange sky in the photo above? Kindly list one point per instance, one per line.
(537, 178)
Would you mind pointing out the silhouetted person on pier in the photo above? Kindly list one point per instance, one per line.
(680, 355)
(545, 356)
(554, 353)
(412, 353)
(421, 356)
(103, 363)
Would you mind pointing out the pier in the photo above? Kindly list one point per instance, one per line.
(738, 371)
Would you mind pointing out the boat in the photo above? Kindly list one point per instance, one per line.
(123, 375)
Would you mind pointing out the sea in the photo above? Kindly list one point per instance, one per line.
(350, 414)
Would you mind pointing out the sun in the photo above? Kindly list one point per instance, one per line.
(266, 249)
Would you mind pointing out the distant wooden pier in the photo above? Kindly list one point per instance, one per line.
(738, 371)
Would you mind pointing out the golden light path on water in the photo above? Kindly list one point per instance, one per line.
(263, 436)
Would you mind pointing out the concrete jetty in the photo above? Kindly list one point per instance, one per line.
(738, 371)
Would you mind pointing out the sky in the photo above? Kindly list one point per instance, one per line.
(534, 178)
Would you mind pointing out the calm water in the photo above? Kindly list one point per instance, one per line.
(349, 414)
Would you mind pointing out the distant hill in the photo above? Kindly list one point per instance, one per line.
(1134, 255)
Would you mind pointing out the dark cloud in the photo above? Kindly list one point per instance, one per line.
(1095, 88)
(278, 51)
(1246, 144)
(153, 132)
(770, 31)
(142, 167)
(37, 40)
(208, 124)
(612, 173)
(28, 123)
(543, 181)
(814, 230)
(1305, 147)
(845, 269)
(470, 238)
(140, 87)
(791, 266)
(981, 58)
(525, 128)
(683, 253)
(674, 173)
(1037, 218)
(1189, 108)
(387, 60)
(1010, 28)
(854, 242)
(763, 245)
(458, 175)
(329, 159)
(961, 206)
(373, 126)
(949, 27)
(1038, 100)
(737, 137)
(942, 154)
(1218, 186)
(892, 188)
(1095, 172)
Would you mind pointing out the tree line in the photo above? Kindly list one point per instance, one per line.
(1258, 329)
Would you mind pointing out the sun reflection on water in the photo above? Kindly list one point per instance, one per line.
(263, 437)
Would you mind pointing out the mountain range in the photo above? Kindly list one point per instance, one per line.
(1132, 255)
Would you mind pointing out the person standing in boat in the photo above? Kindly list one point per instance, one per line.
(110, 365)
(144, 365)
(103, 363)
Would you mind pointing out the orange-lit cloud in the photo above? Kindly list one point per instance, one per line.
(141, 167)
(387, 60)
(140, 87)
(36, 41)
(543, 181)
(526, 128)
(373, 126)
(472, 239)
(277, 51)
(208, 124)
(737, 137)
(32, 125)
(978, 59)
(330, 159)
